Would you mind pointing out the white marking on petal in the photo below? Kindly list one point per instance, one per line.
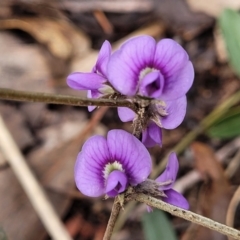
(144, 72)
(111, 167)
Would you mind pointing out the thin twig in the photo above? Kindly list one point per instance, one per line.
(207, 122)
(188, 215)
(103, 21)
(112, 220)
(233, 165)
(32, 188)
(232, 208)
(24, 96)
(124, 215)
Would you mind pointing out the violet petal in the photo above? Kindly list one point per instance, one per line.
(126, 63)
(103, 58)
(176, 110)
(176, 199)
(126, 114)
(85, 81)
(178, 83)
(152, 135)
(93, 94)
(131, 153)
(170, 172)
(116, 183)
(169, 56)
(149, 209)
(173, 62)
(152, 85)
(89, 166)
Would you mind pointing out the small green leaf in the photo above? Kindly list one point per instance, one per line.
(229, 23)
(156, 226)
(227, 126)
(2, 234)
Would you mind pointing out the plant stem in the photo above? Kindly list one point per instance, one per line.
(14, 95)
(207, 122)
(188, 215)
(112, 220)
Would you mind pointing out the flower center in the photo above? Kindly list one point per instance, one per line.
(111, 167)
(151, 83)
(146, 71)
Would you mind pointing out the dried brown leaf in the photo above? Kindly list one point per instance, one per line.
(56, 35)
(214, 195)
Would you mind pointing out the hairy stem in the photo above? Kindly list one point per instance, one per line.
(24, 96)
(188, 215)
(112, 220)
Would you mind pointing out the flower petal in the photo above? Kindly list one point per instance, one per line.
(85, 81)
(103, 58)
(126, 63)
(176, 199)
(149, 209)
(178, 83)
(169, 56)
(131, 153)
(152, 135)
(173, 62)
(93, 94)
(176, 110)
(116, 183)
(126, 114)
(152, 85)
(170, 172)
(89, 166)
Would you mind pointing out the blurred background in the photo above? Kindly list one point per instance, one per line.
(41, 42)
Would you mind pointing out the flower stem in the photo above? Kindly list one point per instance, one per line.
(112, 220)
(188, 215)
(14, 95)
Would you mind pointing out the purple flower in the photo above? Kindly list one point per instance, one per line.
(109, 165)
(157, 70)
(167, 180)
(94, 82)
(152, 135)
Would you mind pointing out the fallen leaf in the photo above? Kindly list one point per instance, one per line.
(22, 66)
(56, 35)
(215, 193)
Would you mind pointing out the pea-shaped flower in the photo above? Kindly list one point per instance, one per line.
(109, 165)
(96, 81)
(169, 176)
(157, 70)
(161, 71)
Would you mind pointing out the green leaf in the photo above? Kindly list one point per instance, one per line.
(156, 226)
(229, 23)
(2, 234)
(227, 126)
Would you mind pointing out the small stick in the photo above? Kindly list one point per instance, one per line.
(31, 186)
(24, 96)
(103, 21)
(188, 215)
(112, 220)
(232, 207)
